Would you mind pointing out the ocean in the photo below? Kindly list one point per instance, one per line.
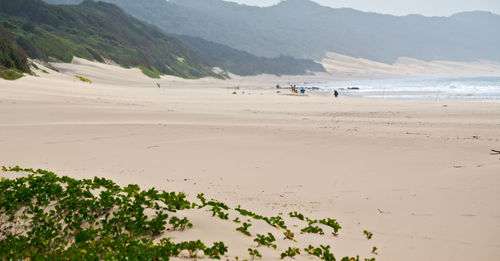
(480, 89)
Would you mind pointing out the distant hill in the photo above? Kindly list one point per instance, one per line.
(304, 29)
(96, 31)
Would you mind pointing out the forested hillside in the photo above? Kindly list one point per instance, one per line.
(96, 31)
(213, 54)
(13, 61)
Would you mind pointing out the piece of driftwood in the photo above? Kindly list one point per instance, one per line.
(495, 152)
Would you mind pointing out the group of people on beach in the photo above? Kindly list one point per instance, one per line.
(293, 87)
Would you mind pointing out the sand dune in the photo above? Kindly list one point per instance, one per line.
(416, 174)
(342, 65)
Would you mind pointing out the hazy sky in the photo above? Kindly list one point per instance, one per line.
(403, 7)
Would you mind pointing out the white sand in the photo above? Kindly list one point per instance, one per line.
(417, 174)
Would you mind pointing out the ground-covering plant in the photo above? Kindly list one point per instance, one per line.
(324, 253)
(216, 250)
(194, 247)
(312, 229)
(180, 224)
(315, 229)
(290, 252)
(289, 235)
(267, 241)
(368, 234)
(47, 217)
(244, 229)
(295, 214)
(254, 253)
(217, 211)
(331, 223)
(277, 221)
(217, 207)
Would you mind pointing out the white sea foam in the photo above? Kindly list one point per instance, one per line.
(462, 89)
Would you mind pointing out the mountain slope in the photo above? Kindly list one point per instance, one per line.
(304, 29)
(96, 31)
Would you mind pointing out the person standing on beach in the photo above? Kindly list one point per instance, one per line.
(336, 93)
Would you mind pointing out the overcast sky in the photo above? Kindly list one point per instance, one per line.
(403, 7)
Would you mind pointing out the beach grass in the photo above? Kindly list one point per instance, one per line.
(150, 73)
(83, 79)
(11, 74)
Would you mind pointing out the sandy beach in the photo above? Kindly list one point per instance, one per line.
(419, 175)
